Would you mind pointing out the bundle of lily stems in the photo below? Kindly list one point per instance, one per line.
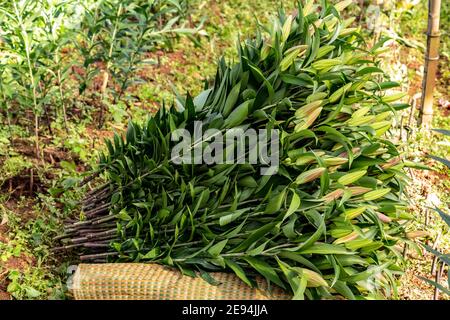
(326, 223)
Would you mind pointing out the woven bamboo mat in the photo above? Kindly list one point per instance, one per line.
(138, 281)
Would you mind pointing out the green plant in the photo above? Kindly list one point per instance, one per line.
(12, 166)
(17, 21)
(118, 34)
(443, 258)
(6, 88)
(30, 278)
(327, 223)
(31, 38)
(118, 112)
(37, 40)
(58, 37)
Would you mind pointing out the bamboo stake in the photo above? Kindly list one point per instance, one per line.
(431, 62)
(438, 279)
(435, 259)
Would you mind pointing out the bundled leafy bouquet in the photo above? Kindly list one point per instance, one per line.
(326, 223)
